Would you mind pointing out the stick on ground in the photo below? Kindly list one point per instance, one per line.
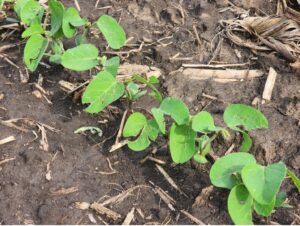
(269, 86)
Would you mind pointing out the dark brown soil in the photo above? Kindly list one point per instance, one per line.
(25, 193)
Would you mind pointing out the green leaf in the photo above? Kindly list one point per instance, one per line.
(19, 6)
(103, 90)
(240, 205)
(34, 29)
(112, 65)
(247, 142)
(200, 159)
(263, 182)
(135, 123)
(176, 109)
(80, 58)
(141, 143)
(294, 178)
(81, 39)
(246, 116)
(182, 143)
(71, 19)
(112, 31)
(159, 118)
(30, 11)
(264, 210)
(56, 59)
(34, 51)
(57, 10)
(280, 199)
(224, 170)
(205, 145)
(153, 80)
(203, 122)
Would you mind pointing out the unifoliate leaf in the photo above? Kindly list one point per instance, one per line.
(240, 205)
(112, 65)
(19, 6)
(103, 90)
(182, 143)
(224, 170)
(57, 47)
(204, 145)
(137, 124)
(294, 178)
(34, 51)
(200, 159)
(57, 10)
(264, 210)
(246, 116)
(152, 129)
(263, 182)
(80, 58)
(134, 124)
(34, 29)
(247, 142)
(30, 11)
(154, 93)
(81, 39)
(280, 199)
(153, 80)
(56, 59)
(159, 118)
(203, 122)
(225, 134)
(176, 109)
(112, 31)
(141, 143)
(71, 19)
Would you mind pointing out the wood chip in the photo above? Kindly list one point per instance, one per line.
(37, 94)
(82, 205)
(92, 218)
(7, 140)
(269, 86)
(118, 146)
(230, 75)
(129, 217)
(203, 196)
(67, 86)
(64, 191)
(105, 211)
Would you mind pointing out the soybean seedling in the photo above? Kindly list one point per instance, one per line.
(252, 186)
(190, 136)
(46, 39)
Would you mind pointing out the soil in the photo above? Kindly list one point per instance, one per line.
(82, 161)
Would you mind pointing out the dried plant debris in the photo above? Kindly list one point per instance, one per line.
(266, 34)
(286, 8)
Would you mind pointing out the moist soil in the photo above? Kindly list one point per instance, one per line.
(29, 183)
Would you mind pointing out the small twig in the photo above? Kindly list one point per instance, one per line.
(219, 66)
(6, 160)
(118, 145)
(169, 179)
(119, 135)
(77, 5)
(192, 218)
(129, 217)
(7, 140)
(270, 83)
